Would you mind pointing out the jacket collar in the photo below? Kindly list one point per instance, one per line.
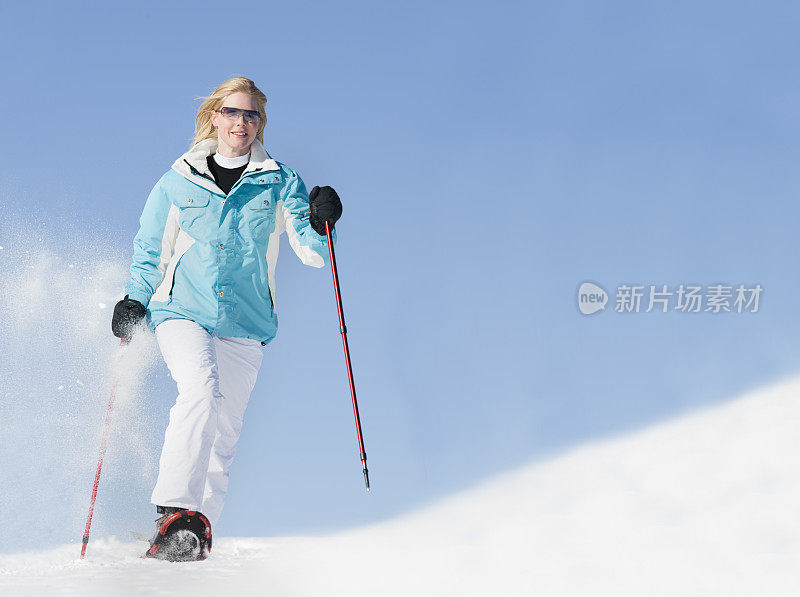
(193, 162)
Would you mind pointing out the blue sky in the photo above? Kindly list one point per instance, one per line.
(489, 161)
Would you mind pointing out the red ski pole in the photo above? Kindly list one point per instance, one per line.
(343, 329)
(99, 464)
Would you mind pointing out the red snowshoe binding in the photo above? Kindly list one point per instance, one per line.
(182, 536)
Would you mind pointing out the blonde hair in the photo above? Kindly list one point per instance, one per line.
(203, 129)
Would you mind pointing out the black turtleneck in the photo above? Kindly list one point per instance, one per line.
(224, 177)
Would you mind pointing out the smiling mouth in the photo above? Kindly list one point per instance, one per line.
(239, 134)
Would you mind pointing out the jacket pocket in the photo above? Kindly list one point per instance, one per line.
(259, 213)
(192, 209)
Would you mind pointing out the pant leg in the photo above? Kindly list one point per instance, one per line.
(238, 361)
(190, 354)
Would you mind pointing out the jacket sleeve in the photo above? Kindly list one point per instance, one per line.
(153, 245)
(310, 247)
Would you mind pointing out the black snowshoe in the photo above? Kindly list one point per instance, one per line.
(182, 536)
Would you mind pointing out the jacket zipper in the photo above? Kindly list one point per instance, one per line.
(203, 175)
(175, 272)
(172, 286)
(242, 177)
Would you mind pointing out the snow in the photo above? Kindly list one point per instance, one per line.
(705, 504)
(59, 365)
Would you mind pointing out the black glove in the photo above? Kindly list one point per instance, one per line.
(325, 205)
(127, 315)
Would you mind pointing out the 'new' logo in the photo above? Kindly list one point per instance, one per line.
(591, 298)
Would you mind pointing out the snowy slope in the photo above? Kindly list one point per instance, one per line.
(703, 505)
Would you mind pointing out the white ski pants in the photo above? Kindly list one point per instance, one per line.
(215, 377)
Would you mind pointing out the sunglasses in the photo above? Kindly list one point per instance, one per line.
(233, 114)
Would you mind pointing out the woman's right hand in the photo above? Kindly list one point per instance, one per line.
(128, 313)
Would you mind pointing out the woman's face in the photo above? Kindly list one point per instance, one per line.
(235, 136)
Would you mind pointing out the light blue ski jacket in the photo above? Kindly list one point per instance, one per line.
(203, 256)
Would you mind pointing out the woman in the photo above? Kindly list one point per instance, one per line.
(203, 273)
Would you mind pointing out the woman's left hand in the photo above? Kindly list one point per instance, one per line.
(325, 205)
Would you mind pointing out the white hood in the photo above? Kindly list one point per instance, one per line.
(196, 158)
